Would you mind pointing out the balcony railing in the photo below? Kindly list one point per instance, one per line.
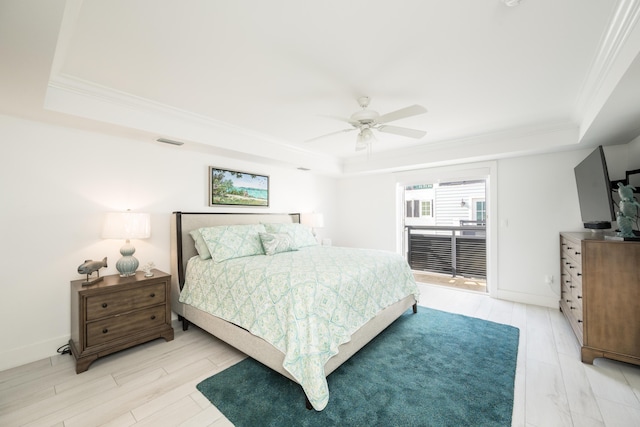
(458, 251)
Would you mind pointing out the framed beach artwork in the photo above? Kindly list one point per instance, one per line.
(235, 188)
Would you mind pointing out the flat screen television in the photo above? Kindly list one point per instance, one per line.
(594, 191)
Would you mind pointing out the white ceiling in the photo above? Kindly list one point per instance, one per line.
(257, 79)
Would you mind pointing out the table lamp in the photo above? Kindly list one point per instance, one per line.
(127, 225)
(313, 220)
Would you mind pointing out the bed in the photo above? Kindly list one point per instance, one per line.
(281, 339)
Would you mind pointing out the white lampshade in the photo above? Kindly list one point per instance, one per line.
(127, 225)
(313, 220)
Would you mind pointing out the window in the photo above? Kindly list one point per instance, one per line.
(426, 208)
(419, 208)
(481, 210)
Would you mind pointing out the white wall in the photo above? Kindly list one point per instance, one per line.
(536, 200)
(56, 185)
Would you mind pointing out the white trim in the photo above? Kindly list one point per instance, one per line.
(539, 300)
(486, 170)
(31, 353)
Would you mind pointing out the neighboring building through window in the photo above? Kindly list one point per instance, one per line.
(426, 208)
(445, 203)
(480, 208)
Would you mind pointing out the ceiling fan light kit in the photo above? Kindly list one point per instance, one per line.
(366, 121)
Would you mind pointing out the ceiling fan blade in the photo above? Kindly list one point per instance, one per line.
(353, 123)
(413, 110)
(411, 133)
(329, 134)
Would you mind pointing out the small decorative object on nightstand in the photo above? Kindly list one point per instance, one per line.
(147, 268)
(118, 313)
(90, 266)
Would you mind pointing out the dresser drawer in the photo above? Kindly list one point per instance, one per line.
(112, 328)
(100, 306)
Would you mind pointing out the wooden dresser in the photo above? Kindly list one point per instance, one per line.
(117, 313)
(600, 295)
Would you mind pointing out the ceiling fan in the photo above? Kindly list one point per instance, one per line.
(366, 121)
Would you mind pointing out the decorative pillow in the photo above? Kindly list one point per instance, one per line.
(301, 234)
(274, 243)
(233, 241)
(201, 246)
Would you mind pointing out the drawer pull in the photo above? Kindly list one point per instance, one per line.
(579, 296)
(104, 305)
(579, 321)
(568, 300)
(569, 247)
(571, 286)
(579, 274)
(571, 266)
(152, 295)
(105, 330)
(572, 308)
(153, 317)
(577, 253)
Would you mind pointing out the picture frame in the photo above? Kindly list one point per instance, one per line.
(229, 187)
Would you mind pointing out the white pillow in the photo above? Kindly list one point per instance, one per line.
(301, 234)
(201, 246)
(233, 241)
(275, 243)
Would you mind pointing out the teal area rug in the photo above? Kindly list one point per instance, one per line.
(426, 369)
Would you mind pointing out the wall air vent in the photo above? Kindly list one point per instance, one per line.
(169, 141)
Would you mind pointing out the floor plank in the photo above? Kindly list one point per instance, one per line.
(154, 383)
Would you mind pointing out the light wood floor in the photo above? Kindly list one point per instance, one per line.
(154, 384)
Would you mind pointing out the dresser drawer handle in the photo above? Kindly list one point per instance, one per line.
(579, 321)
(579, 274)
(104, 305)
(153, 317)
(571, 286)
(577, 253)
(571, 266)
(105, 330)
(152, 295)
(579, 296)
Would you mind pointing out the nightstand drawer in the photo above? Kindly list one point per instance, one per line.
(100, 306)
(112, 328)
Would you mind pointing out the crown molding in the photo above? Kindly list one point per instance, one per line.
(511, 142)
(70, 95)
(621, 26)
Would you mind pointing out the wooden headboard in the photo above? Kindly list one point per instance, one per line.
(182, 244)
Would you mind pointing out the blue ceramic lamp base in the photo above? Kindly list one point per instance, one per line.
(128, 264)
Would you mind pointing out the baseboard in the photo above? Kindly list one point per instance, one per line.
(31, 353)
(551, 302)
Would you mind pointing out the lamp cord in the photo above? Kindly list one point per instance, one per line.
(64, 349)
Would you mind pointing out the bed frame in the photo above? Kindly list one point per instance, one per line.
(183, 248)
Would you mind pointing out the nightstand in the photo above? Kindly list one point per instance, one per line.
(118, 313)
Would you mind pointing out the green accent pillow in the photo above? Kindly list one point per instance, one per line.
(275, 243)
(201, 246)
(301, 234)
(233, 241)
